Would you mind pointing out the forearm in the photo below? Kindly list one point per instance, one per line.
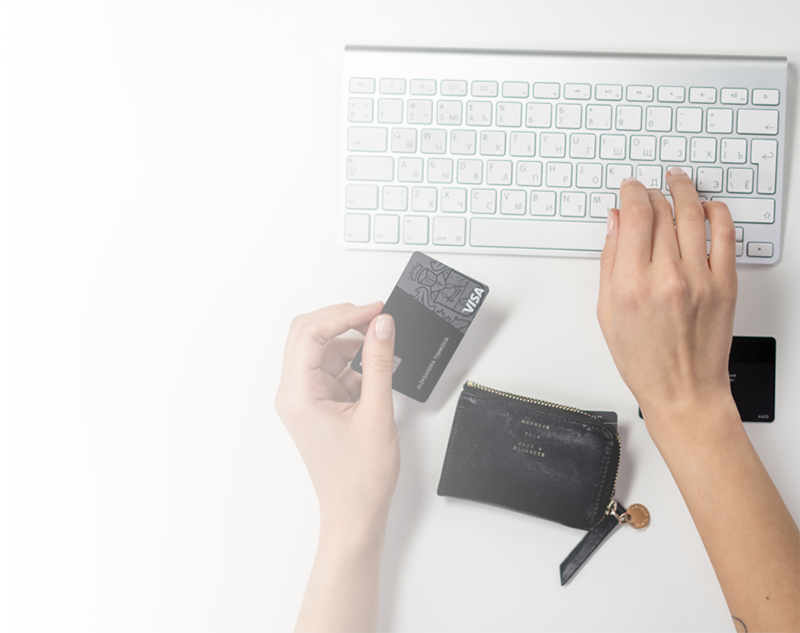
(342, 591)
(748, 532)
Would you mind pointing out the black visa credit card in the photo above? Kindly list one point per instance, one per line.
(432, 306)
(751, 366)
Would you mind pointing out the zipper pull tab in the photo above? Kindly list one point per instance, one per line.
(637, 516)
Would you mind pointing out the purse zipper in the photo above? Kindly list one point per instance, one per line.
(612, 503)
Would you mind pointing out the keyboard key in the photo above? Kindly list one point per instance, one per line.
(522, 143)
(393, 86)
(702, 95)
(529, 173)
(740, 180)
(404, 140)
(673, 148)
(409, 170)
(709, 179)
(479, 113)
(454, 200)
(734, 96)
(558, 175)
(608, 92)
(671, 94)
(765, 154)
(538, 114)
(703, 150)
(582, 145)
(424, 199)
(589, 175)
(612, 146)
(568, 115)
(598, 117)
(719, 120)
(513, 89)
(440, 170)
(449, 231)
(470, 172)
(448, 113)
(543, 90)
(366, 139)
(433, 141)
(561, 235)
(394, 198)
(760, 249)
(552, 144)
(463, 142)
(512, 202)
(370, 168)
(640, 93)
(484, 88)
(363, 85)
(689, 120)
(423, 86)
(390, 110)
(766, 97)
(649, 176)
(359, 110)
(577, 91)
(750, 210)
(419, 111)
(543, 203)
(415, 229)
(629, 118)
(643, 147)
(757, 122)
(361, 197)
(615, 174)
(387, 229)
(498, 172)
(733, 150)
(573, 204)
(509, 114)
(601, 203)
(454, 88)
(482, 201)
(493, 143)
(659, 119)
(356, 227)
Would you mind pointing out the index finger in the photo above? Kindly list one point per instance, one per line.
(310, 332)
(634, 248)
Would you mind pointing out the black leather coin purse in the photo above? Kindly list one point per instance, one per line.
(551, 461)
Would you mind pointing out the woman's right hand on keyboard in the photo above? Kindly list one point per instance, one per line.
(665, 307)
(666, 311)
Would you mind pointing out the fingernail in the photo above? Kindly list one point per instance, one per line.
(630, 178)
(610, 222)
(384, 327)
(676, 171)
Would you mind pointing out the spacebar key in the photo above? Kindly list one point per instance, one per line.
(538, 234)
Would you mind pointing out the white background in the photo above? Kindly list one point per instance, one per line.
(168, 180)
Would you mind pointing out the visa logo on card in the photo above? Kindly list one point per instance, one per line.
(432, 306)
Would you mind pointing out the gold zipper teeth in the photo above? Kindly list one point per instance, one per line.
(557, 406)
(524, 399)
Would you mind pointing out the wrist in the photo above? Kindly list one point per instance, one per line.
(693, 421)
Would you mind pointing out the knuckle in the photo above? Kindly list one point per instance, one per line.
(379, 363)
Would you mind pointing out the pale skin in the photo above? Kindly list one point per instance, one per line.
(666, 311)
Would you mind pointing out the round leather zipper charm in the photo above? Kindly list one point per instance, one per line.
(640, 516)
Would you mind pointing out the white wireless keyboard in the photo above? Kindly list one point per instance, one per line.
(523, 153)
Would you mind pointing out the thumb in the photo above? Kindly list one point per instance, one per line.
(377, 364)
(605, 301)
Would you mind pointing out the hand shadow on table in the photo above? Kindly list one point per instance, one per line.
(418, 480)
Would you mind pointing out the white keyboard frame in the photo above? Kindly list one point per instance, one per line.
(562, 68)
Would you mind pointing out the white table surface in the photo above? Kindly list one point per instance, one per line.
(168, 181)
